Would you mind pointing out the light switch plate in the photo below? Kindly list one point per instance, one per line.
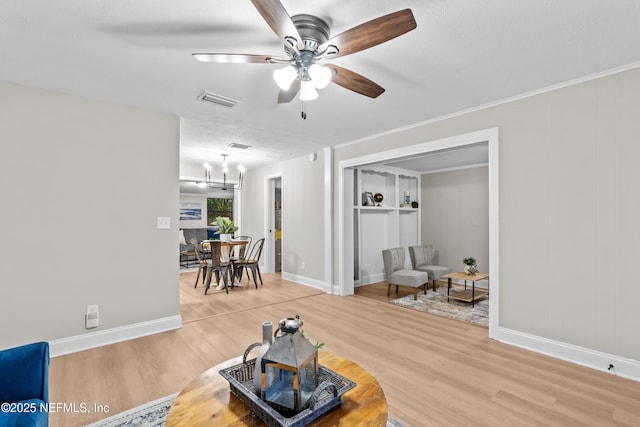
(164, 222)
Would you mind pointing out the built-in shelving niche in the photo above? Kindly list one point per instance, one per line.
(385, 226)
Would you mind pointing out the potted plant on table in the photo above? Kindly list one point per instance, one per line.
(226, 228)
(470, 265)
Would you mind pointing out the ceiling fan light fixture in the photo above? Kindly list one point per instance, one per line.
(308, 91)
(320, 76)
(285, 76)
(307, 41)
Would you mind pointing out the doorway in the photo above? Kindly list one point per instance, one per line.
(346, 224)
(272, 252)
(277, 222)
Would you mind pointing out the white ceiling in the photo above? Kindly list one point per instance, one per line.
(464, 53)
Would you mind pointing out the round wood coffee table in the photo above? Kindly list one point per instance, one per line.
(208, 401)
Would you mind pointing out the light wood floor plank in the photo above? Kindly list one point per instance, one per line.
(434, 371)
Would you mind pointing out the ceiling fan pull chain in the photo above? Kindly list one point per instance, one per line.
(303, 113)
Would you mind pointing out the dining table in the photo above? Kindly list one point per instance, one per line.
(226, 249)
(229, 246)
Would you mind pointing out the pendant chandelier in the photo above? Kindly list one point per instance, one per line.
(208, 183)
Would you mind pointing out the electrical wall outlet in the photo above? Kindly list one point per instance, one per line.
(92, 319)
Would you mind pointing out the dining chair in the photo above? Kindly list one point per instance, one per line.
(251, 262)
(242, 250)
(203, 264)
(220, 264)
(241, 254)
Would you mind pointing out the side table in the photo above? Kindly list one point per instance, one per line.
(208, 401)
(467, 295)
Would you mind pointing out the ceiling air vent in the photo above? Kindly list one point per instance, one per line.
(239, 146)
(214, 98)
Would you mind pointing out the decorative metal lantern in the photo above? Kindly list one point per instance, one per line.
(289, 369)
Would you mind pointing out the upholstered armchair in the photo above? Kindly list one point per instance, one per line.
(24, 382)
(422, 260)
(396, 274)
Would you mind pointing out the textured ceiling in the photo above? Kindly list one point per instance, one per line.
(464, 53)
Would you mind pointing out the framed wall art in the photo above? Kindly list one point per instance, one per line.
(190, 211)
(367, 199)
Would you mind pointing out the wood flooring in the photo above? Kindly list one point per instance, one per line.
(434, 371)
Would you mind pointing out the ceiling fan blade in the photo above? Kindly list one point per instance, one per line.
(237, 58)
(355, 82)
(279, 20)
(372, 33)
(287, 95)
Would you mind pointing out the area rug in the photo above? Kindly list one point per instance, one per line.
(436, 303)
(151, 414)
(154, 414)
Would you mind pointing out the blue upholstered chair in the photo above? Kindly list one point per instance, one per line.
(24, 382)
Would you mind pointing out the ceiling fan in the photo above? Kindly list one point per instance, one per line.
(307, 45)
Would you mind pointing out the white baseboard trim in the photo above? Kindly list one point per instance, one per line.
(374, 278)
(89, 340)
(626, 368)
(314, 283)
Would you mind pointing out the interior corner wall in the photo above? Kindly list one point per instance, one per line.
(455, 216)
(82, 184)
(569, 203)
(302, 215)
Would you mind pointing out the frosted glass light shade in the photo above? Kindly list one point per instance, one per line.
(307, 91)
(285, 76)
(321, 76)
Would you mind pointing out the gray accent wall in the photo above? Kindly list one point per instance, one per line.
(569, 208)
(455, 216)
(82, 183)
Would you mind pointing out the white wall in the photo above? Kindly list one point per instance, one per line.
(82, 184)
(302, 215)
(568, 209)
(455, 216)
